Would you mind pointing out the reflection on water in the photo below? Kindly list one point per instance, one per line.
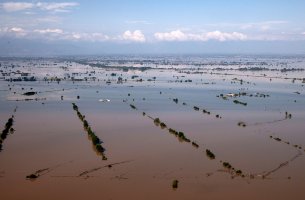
(220, 159)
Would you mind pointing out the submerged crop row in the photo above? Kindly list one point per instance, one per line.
(286, 117)
(181, 136)
(197, 108)
(299, 147)
(96, 142)
(8, 128)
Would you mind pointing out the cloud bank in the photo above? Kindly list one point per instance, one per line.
(16, 6)
(55, 7)
(59, 34)
(46, 31)
(136, 36)
(178, 35)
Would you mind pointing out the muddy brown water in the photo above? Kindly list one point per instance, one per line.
(50, 135)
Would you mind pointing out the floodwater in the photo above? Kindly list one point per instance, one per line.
(144, 159)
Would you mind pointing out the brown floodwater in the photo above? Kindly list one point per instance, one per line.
(145, 159)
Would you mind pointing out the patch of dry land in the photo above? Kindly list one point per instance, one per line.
(152, 127)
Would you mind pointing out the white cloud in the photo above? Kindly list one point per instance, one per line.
(172, 36)
(86, 37)
(17, 30)
(45, 31)
(178, 35)
(14, 31)
(136, 36)
(53, 34)
(100, 37)
(55, 7)
(16, 6)
(220, 36)
(59, 34)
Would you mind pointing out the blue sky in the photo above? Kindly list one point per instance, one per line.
(152, 26)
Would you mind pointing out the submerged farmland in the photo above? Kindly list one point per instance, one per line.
(164, 127)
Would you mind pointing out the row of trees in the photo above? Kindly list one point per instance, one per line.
(7, 129)
(181, 136)
(96, 142)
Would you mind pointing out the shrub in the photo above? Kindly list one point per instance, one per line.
(210, 154)
(95, 140)
(32, 176)
(133, 107)
(243, 124)
(173, 131)
(195, 144)
(227, 165)
(196, 108)
(163, 125)
(86, 125)
(99, 148)
(181, 135)
(186, 139)
(175, 184)
(239, 102)
(157, 121)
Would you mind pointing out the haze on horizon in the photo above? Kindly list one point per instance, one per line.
(151, 26)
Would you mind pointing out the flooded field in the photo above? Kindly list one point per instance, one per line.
(152, 127)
